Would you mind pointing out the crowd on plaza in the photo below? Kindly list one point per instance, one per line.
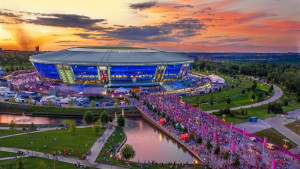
(210, 129)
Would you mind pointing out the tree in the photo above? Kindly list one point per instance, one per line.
(121, 120)
(72, 126)
(271, 88)
(116, 104)
(199, 140)
(93, 103)
(210, 90)
(168, 119)
(185, 130)
(236, 162)
(49, 103)
(12, 125)
(228, 101)
(127, 152)
(217, 150)
(32, 127)
(12, 99)
(208, 145)
(253, 96)
(179, 127)
(30, 101)
(226, 155)
(96, 128)
(71, 103)
(104, 118)
(286, 101)
(192, 136)
(253, 87)
(20, 164)
(212, 99)
(243, 91)
(88, 117)
(42, 165)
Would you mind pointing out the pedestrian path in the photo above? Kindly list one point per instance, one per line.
(100, 142)
(60, 158)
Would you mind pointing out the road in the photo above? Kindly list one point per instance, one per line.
(278, 123)
(277, 94)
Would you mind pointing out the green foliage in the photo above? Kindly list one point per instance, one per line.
(185, 130)
(104, 118)
(168, 119)
(253, 96)
(179, 127)
(243, 91)
(275, 107)
(72, 126)
(127, 152)
(88, 117)
(12, 99)
(192, 136)
(121, 120)
(226, 155)
(42, 165)
(228, 101)
(32, 127)
(116, 104)
(236, 162)
(217, 150)
(199, 140)
(96, 128)
(20, 164)
(71, 103)
(208, 145)
(12, 125)
(30, 101)
(49, 103)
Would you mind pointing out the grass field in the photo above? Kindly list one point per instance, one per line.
(235, 94)
(6, 154)
(275, 137)
(9, 132)
(293, 126)
(82, 140)
(32, 163)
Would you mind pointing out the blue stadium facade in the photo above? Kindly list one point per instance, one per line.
(112, 66)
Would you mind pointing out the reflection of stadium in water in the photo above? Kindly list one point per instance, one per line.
(112, 66)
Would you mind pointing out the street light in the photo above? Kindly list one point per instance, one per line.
(297, 126)
(285, 145)
(223, 117)
(32, 148)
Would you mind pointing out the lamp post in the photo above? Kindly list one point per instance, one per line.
(32, 148)
(285, 143)
(223, 117)
(297, 127)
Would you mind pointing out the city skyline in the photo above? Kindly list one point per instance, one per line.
(178, 25)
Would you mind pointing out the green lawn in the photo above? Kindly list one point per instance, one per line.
(82, 140)
(259, 111)
(235, 94)
(6, 154)
(293, 104)
(10, 132)
(275, 137)
(32, 163)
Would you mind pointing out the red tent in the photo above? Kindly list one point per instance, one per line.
(184, 136)
(162, 121)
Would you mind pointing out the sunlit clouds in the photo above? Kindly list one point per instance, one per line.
(178, 25)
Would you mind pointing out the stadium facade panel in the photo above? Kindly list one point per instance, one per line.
(111, 65)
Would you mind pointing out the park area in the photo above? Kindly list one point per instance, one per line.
(275, 137)
(294, 126)
(34, 162)
(4, 132)
(75, 144)
(238, 97)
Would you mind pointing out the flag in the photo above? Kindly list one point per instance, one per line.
(265, 141)
(189, 121)
(203, 130)
(233, 145)
(273, 164)
(231, 126)
(244, 132)
(215, 136)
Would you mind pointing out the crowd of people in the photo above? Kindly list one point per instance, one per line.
(249, 154)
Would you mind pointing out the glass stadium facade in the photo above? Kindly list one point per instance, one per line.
(111, 66)
(106, 74)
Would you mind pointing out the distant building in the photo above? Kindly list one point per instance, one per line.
(0, 49)
(37, 49)
(215, 79)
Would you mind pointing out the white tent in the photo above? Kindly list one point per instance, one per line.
(121, 90)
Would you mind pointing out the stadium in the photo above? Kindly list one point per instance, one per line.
(112, 66)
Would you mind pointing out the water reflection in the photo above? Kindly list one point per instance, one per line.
(151, 144)
(5, 118)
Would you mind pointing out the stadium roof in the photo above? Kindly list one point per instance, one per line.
(107, 56)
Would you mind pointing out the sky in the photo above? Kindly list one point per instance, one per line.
(172, 25)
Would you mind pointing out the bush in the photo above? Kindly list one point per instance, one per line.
(121, 120)
(185, 130)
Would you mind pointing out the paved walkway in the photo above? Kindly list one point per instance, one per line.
(278, 123)
(253, 127)
(60, 158)
(277, 94)
(99, 144)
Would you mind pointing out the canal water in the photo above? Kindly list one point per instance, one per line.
(148, 142)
